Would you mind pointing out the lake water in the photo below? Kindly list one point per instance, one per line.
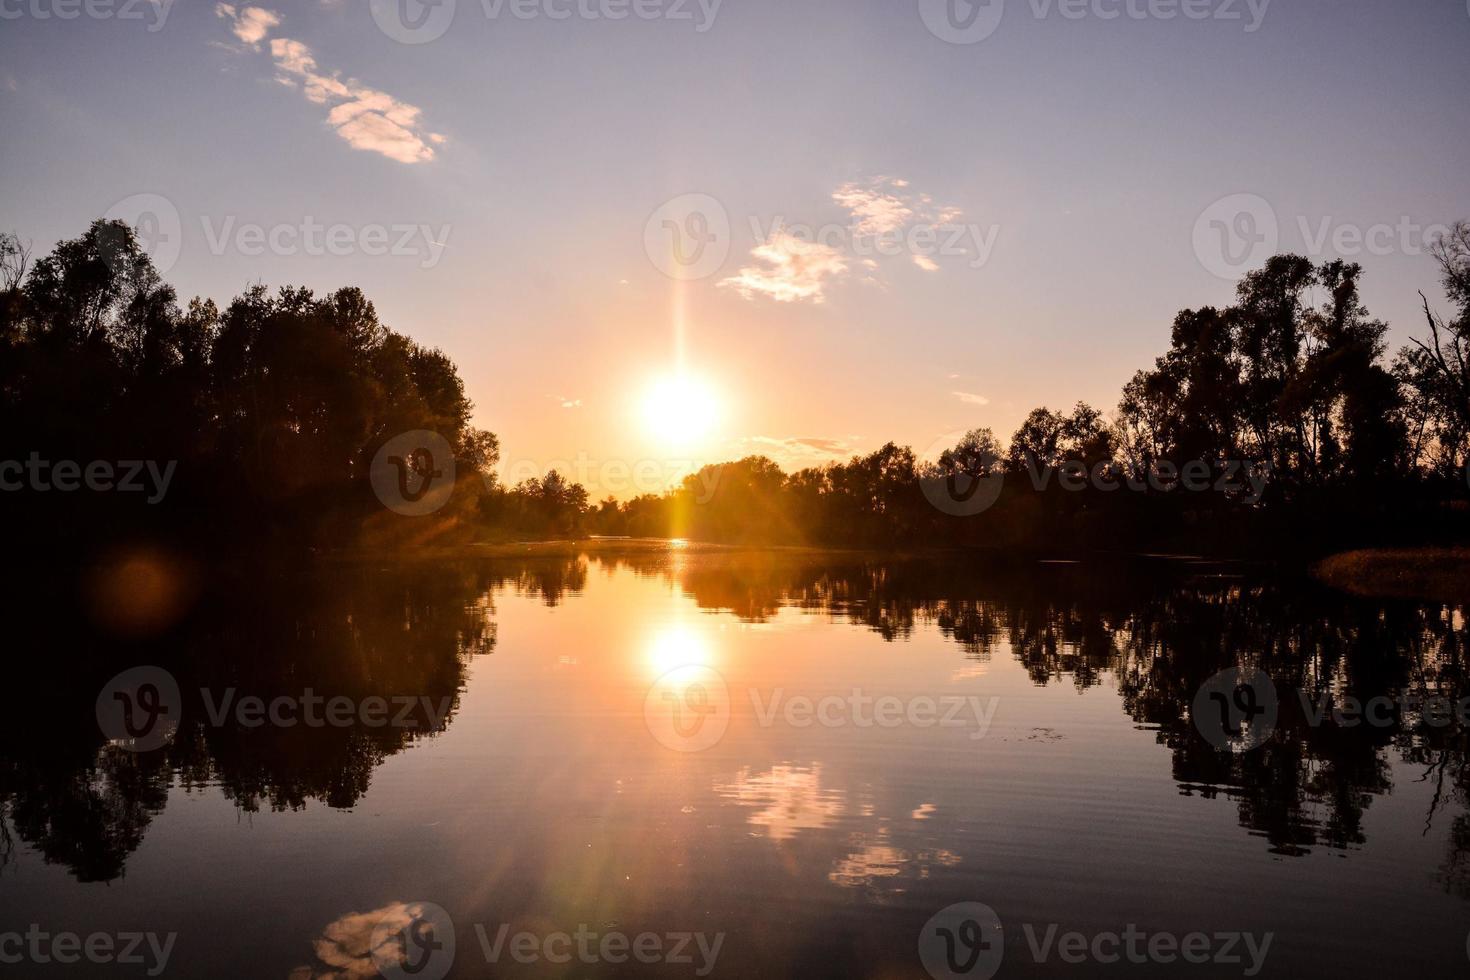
(741, 765)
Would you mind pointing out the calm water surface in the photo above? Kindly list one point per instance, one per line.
(576, 782)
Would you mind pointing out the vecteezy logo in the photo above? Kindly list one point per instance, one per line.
(688, 237)
(688, 708)
(1236, 709)
(413, 474)
(963, 940)
(414, 940)
(413, 21)
(139, 709)
(156, 227)
(962, 21)
(1235, 234)
(956, 487)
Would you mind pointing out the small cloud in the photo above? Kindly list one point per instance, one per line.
(251, 24)
(970, 399)
(794, 270)
(886, 207)
(11, 85)
(379, 133)
(874, 211)
(571, 403)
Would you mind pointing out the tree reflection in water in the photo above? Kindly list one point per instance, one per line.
(1157, 630)
(1162, 630)
(357, 632)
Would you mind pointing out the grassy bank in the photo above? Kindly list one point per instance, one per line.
(1439, 574)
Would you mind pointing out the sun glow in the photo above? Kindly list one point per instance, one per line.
(680, 410)
(679, 646)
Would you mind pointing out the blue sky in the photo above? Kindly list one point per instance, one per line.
(1084, 149)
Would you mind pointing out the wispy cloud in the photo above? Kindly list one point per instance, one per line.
(875, 210)
(832, 447)
(365, 117)
(800, 451)
(971, 399)
(793, 270)
(250, 24)
(883, 205)
(882, 212)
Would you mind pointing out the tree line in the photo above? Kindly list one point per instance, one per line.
(1280, 415)
(1278, 421)
(273, 406)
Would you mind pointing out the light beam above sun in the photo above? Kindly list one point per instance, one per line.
(680, 411)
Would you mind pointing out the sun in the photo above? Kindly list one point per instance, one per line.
(680, 410)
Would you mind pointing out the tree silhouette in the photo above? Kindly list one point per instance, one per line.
(274, 407)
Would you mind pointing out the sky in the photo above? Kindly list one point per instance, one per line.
(658, 233)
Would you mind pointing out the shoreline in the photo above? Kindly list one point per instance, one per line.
(613, 546)
(572, 548)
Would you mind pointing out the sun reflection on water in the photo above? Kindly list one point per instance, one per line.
(679, 645)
